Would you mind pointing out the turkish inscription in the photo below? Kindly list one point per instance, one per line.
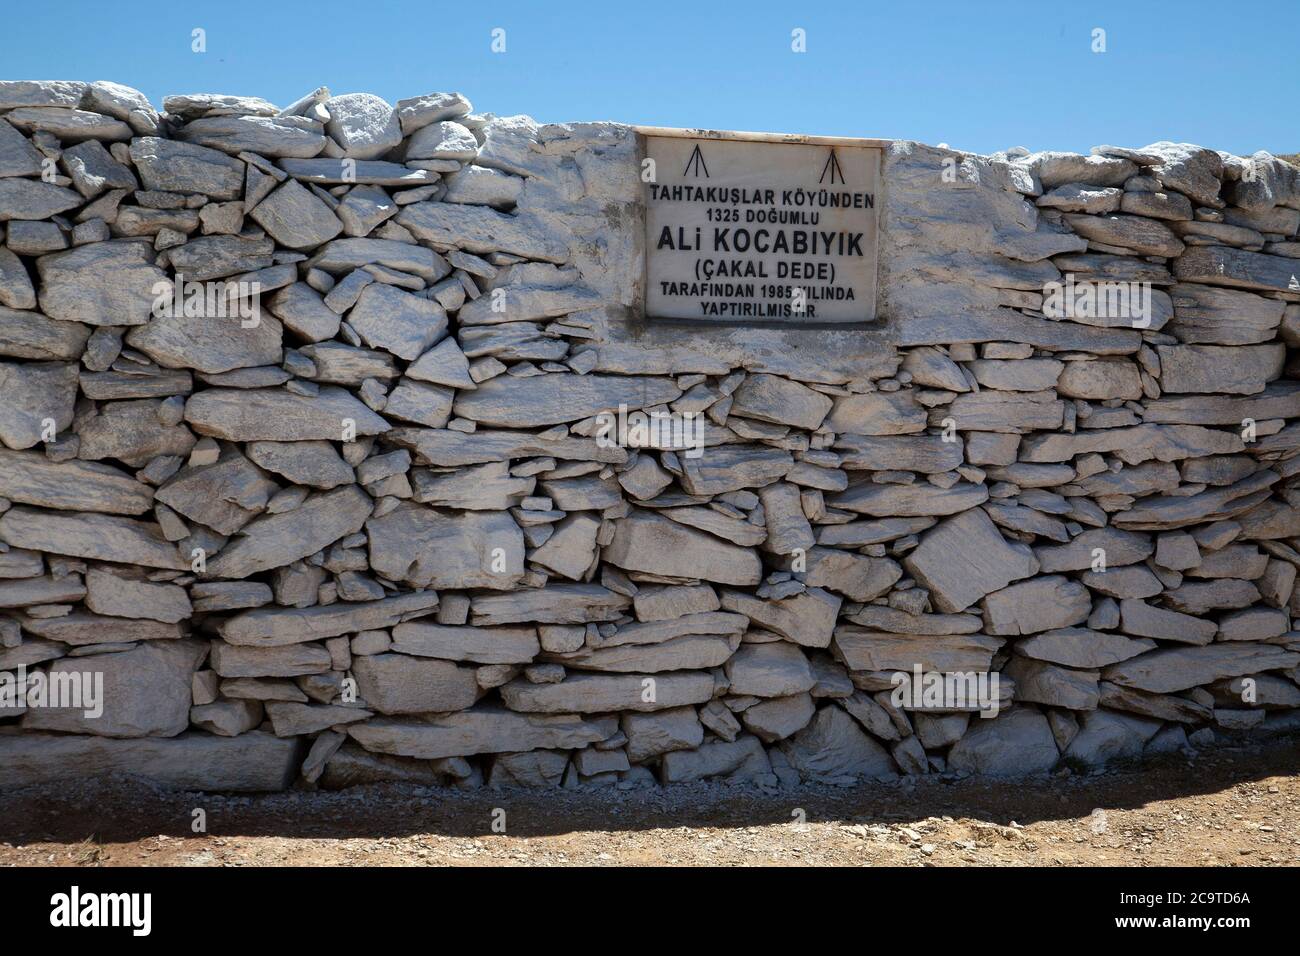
(739, 231)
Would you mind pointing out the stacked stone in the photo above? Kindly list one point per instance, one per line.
(375, 534)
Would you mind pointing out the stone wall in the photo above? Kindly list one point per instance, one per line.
(368, 531)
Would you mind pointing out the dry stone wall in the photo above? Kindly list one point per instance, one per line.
(361, 525)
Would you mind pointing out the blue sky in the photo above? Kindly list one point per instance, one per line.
(978, 76)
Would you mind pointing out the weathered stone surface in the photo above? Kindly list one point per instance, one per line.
(87, 535)
(1081, 647)
(250, 762)
(732, 467)
(103, 283)
(557, 604)
(1243, 370)
(1237, 268)
(272, 414)
(645, 541)
(737, 761)
(123, 594)
(272, 541)
(295, 217)
(770, 398)
(652, 734)
(1017, 742)
(274, 627)
(275, 136)
(482, 645)
(476, 731)
(146, 692)
(397, 684)
(32, 479)
(864, 650)
(207, 343)
(1172, 669)
(964, 558)
(481, 230)
(171, 166)
(424, 548)
(509, 402)
(776, 669)
(834, 746)
(387, 318)
(609, 693)
(692, 652)
(884, 501)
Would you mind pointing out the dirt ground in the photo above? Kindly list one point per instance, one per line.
(1231, 807)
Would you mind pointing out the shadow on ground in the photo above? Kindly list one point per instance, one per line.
(117, 811)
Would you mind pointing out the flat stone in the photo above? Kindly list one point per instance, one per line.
(1105, 736)
(223, 496)
(274, 414)
(312, 463)
(424, 548)
(275, 627)
(1243, 370)
(884, 501)
(32, 479)
(1173, 669)
(740, 761)
(304, 313)
(776, 669)
(121, 594)
(647, 542)
(482, 645)
(448, 448)
(1237, 268)
(693, 652)
(274, 136)
(296, 217)
(481, 230)
(964, 558)
(132, 432)
(397, 684)
(1081, 647)
(927, 454)
(556, 604)
(807, 619)
(87, 535)
(208, 344)
(734, 467)
(171, 166)
(510, 402)
(479, 730)
(34, 199)
(334, 172)
(252, 761)
(146, 692)
(608, 693)
(274, 540)
(864, 650)
(18, 157)
(834, 746)
(1042, 683)
(1017, 742)
(103, 283)
(387, 318)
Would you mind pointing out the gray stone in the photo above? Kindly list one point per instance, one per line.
(32, 479)
(647, 542)
(275, 136)
(295, 217)
(103, 283)
(387, 318)
(964, 558)
(423, 548)
(250, 762)
(834, 746)
(273, 414)
(397, 684)
(274, 627)
(87, 535)
(609, 693)
(363, 125)
(1017, 742)
(171, 166)
(120, 593)
(1172, 669)
(482, 645)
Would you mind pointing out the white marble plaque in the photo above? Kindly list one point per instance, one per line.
(741, 232)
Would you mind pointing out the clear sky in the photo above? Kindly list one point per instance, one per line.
(979, 76)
